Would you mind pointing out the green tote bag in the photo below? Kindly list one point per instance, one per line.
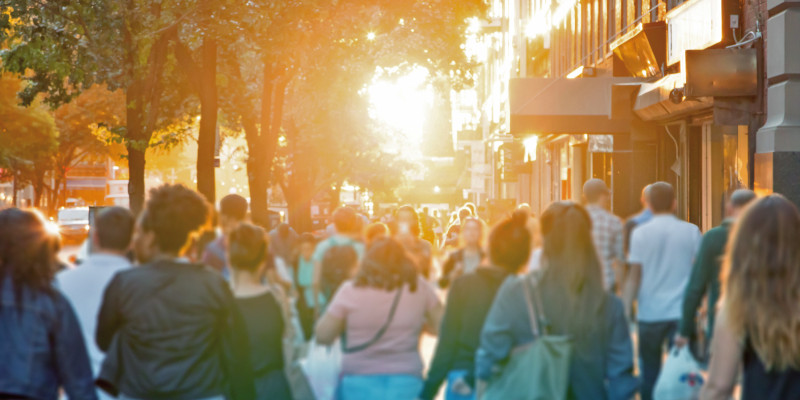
(538, 370)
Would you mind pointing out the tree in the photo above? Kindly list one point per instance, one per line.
(77, 122)
(63, 48)
(29, 138)
(277, 43)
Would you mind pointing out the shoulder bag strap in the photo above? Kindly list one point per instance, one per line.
(527, 288)
(380, 332)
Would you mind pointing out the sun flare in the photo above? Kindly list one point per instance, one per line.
(401, 103)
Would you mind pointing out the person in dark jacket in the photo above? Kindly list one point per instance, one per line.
(172, 329)
(468, 302)
(41, 345)
(574, 303)
(705, 272)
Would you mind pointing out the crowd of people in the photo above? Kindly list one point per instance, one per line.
(168, 306)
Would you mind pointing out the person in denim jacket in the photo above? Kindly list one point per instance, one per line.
(41, 347)
(575, 304)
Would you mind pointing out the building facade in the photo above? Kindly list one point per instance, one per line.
(637, 91)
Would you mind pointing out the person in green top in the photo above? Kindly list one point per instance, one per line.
(705, 272)
(348, 233)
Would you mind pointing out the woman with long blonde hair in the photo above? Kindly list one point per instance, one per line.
(759, 326)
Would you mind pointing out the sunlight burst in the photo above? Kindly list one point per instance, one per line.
(402, 103)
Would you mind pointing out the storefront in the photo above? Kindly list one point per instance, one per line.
(574, 130)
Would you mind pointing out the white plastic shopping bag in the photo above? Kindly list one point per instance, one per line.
(680, 377)
(322, 365)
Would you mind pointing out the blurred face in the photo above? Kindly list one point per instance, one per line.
(471, 233)
(144, 243)
(307, 250)
(228, 224)
(405, 217)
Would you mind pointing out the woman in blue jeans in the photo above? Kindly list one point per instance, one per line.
(381, 314)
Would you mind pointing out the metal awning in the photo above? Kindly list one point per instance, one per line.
(653, 102)
(600, 105)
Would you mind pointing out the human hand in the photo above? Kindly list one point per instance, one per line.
(680, 341)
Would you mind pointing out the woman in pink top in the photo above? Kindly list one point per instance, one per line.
(380, 314)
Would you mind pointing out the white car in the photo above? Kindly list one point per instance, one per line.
(73, 223)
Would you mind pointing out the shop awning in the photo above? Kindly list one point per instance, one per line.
(653, 102)
(600, 105)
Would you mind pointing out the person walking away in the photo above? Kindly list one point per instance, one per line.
(705, 272)
(468, 257)
(84, 286)
(172, 329)
(347, 234)
(574, 303)
(304, 278)
(261, 309)
(643, 216)
(374, 232)
(757, 329)
(408, 234)
(429, 227)
(468, 303)
(232, 211)
(338, 265)
(41, 347)
(661, 257)
(283, 240)
(381, 313)
(606, 230)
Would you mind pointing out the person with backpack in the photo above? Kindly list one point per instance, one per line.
(380, 314)
(468, 303)
(262, 308)
(170, 328)
(565, 298)
(347, 233)
(756, 342)
(42, 350)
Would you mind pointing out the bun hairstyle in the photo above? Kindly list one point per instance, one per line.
(247, 247)
(510, 242)
(173, 213)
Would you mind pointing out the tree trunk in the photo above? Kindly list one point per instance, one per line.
(136, 151)
(15, 189)
(300, 212)
(38, 188)
(206, 180)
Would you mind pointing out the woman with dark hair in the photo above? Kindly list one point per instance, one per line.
(470, 254)
(570, 287)
(468, 302)
(408, 234)
(263, 309)
(170, 328)
(41, 345)
(758, 328)
(381, 312)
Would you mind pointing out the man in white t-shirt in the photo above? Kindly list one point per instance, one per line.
(84, 285)
(662, 251)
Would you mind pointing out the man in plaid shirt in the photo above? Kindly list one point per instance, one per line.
(607, 229)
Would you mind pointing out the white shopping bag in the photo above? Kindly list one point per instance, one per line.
(680, 377)
(323, 365)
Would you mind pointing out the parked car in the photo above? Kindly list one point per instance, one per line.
(73, 224)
